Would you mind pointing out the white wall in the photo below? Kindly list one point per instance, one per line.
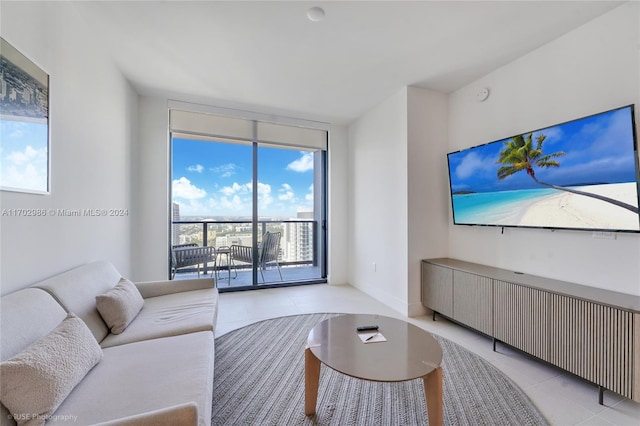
(591, 69)
(92, 118)
(428, 196)
(378, 202)
(398, 191)
(151, 185)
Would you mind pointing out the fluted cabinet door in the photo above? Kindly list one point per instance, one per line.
(472, 301)
(520, 318)
(437, 288)
(636, 358)
(592, 341)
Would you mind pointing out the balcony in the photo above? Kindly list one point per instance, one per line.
(298, 254)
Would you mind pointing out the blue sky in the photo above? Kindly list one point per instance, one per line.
(598, 148)
(23, 154)
(214, 179)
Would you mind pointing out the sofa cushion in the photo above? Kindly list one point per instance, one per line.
(170, 315)
(76, 291)
(161, 288)
(183, 414)
(38, 379)
(17, 328)
(145, 376)
(120, 305)
(18, 310)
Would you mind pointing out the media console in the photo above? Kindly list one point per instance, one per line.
(590, 332)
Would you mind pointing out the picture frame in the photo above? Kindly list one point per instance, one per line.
(24, 123)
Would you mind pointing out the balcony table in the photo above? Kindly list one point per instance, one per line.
(224, 251)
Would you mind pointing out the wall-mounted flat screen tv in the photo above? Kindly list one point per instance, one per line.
(582, 174)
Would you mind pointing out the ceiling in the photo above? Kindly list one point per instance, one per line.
(267, 56)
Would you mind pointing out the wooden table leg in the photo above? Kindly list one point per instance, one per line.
(433, 394)
(311, 382)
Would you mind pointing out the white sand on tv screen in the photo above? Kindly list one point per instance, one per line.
(565, 209)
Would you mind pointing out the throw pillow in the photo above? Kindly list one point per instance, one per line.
(37, 380)
(120, 305)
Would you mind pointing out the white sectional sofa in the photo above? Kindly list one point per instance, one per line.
(159, 370)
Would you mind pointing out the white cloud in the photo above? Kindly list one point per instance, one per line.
(29, 177)
(29, 155)
(17, 134)
(25, 169)
(241, 195)
(183, 188)
(471, 164)
(197, 207)
(235, 203)
(263, 188)
(264, 195)
(553, 134)
(286, 193)
(197, 168)
(236, 188)
(309, 196)
(225, 170)
(302, 164)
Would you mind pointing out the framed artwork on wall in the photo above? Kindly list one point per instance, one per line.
(24, 123)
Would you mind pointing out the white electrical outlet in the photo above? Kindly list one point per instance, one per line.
(375, 267)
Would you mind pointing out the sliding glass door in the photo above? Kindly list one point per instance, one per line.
(286, 210)
(249, 212)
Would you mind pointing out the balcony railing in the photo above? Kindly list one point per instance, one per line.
(298, 244)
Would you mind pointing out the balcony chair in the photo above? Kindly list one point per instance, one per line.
(183, 255)
(268, 251)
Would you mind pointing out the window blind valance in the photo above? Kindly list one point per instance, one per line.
(222, 127)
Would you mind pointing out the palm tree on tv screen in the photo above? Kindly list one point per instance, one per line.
(519, 154)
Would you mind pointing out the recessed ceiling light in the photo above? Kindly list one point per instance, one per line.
(315, 14)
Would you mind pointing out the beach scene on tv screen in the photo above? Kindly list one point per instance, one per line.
(581, 174)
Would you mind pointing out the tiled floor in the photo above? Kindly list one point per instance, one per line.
(562, 398)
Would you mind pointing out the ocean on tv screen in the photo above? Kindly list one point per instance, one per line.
(549, 208)
(582, 174)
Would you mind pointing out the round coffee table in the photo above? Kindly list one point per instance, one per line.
(408, 353)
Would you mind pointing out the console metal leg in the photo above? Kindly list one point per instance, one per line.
(494, 343)
(601, 395)
(434, 315)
